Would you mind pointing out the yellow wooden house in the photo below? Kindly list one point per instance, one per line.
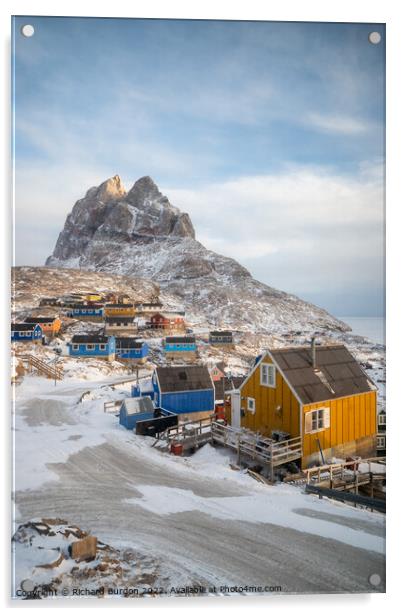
(119, 310)
(318, 393)
(92, 297)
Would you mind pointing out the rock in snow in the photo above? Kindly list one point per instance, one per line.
(140, 233)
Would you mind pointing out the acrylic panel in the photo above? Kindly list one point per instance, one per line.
(197, 328)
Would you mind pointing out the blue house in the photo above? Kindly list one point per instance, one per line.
(184, 389)
(135, 409)
(26, 332)
(131, 348)
(86, 311)
(92, 345)
(180, 344)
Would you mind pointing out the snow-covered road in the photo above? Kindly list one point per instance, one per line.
(206, 523)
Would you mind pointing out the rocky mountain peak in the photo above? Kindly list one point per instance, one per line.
(144, 192)
(110, 190)
(140, 233)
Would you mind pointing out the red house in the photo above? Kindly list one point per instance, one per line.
(163, 320)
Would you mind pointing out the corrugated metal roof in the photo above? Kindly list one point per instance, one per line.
(221, 333)
(337, 373)
(184, 378)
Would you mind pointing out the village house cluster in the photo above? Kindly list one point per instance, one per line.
(297, 405)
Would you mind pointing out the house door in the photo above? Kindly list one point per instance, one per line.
(235, 403)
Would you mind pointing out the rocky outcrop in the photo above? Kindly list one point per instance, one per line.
(140, 233)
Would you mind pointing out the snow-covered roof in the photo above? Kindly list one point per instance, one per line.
(138, 405)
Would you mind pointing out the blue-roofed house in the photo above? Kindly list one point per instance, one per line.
(184, 390)
(92, 345)
(131, 349)
(26, 332)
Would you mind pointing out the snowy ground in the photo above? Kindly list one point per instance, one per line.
(206, 523)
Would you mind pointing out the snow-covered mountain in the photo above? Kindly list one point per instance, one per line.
(140, 233)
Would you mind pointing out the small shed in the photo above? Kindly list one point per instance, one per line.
(135, 409)
(184, 389)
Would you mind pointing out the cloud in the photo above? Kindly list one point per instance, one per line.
(337, 124)
(305, 230)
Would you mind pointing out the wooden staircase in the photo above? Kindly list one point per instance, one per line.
(34, 363)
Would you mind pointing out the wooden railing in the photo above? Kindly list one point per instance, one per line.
(341, 471)
(259, 448)
(190, 429)
(52, 372)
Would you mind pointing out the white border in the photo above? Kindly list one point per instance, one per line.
(291, 10)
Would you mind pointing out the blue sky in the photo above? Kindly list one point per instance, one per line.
(271, 135)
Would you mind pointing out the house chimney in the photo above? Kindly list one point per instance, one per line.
(313, 354)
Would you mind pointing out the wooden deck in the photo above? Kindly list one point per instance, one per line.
(349, 477)
(260, 449)
(191, 434)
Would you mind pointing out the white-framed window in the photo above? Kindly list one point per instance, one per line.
(382, 421)
(380, 442)
(251, 405)
(268, 375)
(317, 420)
(102, 347)
(76, 347)
(90, 347)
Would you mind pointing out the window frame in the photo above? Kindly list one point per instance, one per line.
(271, 383)
(381, 442)
(382, 416)
(252, 401)
(319, 420)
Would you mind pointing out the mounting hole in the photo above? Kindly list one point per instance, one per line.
(375, 579)
(375, 38)
(27, 30)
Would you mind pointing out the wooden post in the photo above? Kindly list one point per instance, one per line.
(238, 449)
(272, 476)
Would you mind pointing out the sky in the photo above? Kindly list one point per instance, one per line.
(269, 134)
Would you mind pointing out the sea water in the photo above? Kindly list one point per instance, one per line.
(372, 328)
